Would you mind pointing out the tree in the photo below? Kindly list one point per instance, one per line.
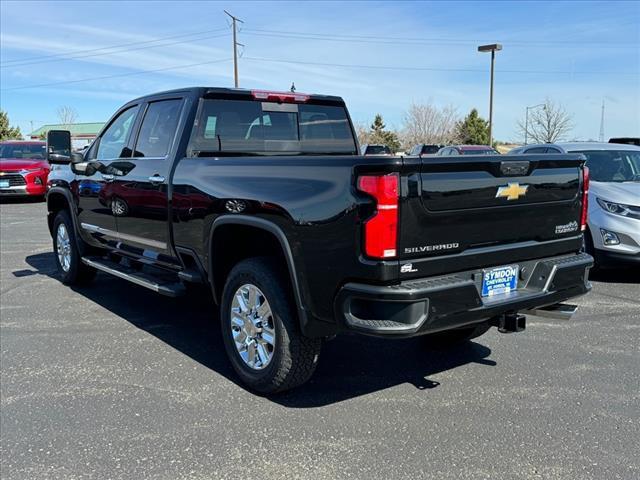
(67, 115)
(378, 134)
(362, 132)
(426, 123)
(547, 124)
(473, 130)
(6, 131)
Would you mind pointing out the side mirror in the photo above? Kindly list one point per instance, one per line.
(59, 146)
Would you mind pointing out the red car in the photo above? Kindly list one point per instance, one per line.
(23, 168)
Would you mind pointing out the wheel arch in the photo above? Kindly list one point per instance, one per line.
(60, 199)
(269, 237)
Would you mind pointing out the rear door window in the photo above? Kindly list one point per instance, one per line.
(158, 128)
(537, 150)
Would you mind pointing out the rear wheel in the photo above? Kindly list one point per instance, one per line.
(450, 338)
(261, 331)
(67, 256)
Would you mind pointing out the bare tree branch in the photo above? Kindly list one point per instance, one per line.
(548, 124)
(426, 123)
(67, 115)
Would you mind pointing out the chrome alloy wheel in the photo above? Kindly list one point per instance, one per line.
(252, 326)
(63, 244)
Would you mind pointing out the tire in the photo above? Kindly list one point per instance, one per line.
(70, 268)
(291, 358)
(451, 338)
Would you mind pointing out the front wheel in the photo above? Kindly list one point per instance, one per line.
(67, 256)
(261, 331)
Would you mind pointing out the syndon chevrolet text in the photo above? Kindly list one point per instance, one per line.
(263, 198)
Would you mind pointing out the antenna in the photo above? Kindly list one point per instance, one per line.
(602, 123)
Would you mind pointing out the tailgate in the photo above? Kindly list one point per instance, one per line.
(486, 204)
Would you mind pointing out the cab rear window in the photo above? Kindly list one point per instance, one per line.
(254, 127)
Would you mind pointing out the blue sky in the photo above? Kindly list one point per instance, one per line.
(379, 56)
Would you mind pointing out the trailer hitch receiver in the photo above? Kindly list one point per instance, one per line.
(510, 322)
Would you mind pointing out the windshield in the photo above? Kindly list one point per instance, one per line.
(252, 127)
(377, 150)
(488, 151)
(613, 165)
(34, 151)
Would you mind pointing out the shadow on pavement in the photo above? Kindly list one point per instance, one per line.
(349, 366)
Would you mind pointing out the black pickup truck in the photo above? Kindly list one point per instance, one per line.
(263, 198)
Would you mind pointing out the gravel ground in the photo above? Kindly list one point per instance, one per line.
(113, 381)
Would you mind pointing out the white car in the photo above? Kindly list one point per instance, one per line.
(613, 236)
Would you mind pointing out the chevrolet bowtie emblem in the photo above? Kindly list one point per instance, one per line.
(512, 191)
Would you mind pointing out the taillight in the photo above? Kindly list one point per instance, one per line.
(381, 230)
(281, 97)
(585, 199)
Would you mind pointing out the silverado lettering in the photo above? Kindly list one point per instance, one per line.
(431, 248)
(264, 199)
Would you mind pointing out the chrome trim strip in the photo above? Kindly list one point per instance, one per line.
(143, 241)
(124, 236)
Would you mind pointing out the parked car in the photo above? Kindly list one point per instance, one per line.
(371, 149)
(468, 150)
(626, 140)
(268, 203)
(536, 148)
(425, 149)
(23, 168)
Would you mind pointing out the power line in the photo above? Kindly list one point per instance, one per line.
(105, 77)
(433, 69)
(117, 51)
(24, 61)
(416, 40)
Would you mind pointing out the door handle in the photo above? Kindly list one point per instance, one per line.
(107, 177)
(156, 179)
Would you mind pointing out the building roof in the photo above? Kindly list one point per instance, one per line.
(76, 129)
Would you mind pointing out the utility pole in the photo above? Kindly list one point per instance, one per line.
(602, 123)
(234, 21)
(491, 48)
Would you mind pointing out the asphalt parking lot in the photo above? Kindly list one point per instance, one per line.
(113, 381)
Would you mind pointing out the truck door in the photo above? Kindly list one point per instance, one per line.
(111, 148)
(139, 194)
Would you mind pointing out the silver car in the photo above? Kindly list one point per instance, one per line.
(613, 236)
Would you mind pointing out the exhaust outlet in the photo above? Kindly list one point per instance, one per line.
(558, 311)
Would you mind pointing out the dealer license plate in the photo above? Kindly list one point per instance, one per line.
(4, 183)
(500, 280)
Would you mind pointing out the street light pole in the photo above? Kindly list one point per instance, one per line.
(526, 120)
(491, 48)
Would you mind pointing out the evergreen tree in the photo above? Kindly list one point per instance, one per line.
(473, 130)
(379, 134)
(7, 132)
